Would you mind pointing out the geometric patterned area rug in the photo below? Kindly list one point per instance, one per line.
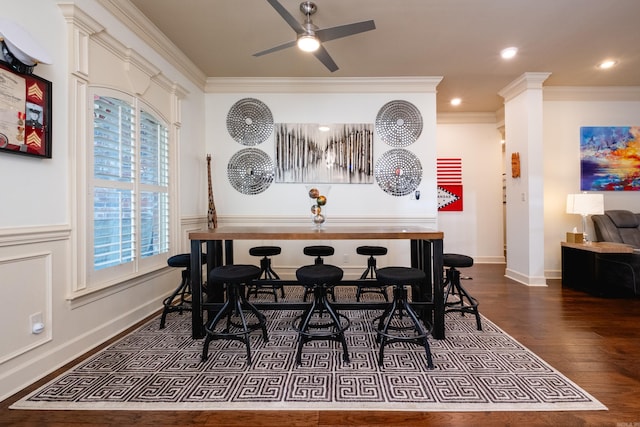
(152, 369)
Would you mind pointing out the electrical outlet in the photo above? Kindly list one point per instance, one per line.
(36, 323)
(345, 258)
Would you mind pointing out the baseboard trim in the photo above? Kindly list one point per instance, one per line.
(524, 279)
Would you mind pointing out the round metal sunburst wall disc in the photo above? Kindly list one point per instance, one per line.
(250, 121)
(399, 123)
(250, 171)
(398, 172)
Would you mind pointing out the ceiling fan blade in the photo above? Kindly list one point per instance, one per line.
(340, 31)
(293, 22)
(276, 48)
(325, 58)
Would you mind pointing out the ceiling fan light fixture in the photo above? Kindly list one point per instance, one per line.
(308, 43)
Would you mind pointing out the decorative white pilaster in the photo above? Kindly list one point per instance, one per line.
(525, 209)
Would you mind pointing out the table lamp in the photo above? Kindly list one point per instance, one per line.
(585, 204)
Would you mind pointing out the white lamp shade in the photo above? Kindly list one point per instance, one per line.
(585, 204)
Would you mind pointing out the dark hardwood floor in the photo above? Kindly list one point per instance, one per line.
(593, 341)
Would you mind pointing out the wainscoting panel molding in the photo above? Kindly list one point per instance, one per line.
(27, 281)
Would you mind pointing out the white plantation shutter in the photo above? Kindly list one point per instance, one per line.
(154, 182)
(130, 185)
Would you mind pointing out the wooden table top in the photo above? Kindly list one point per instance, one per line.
(601, 247)
(327, 232)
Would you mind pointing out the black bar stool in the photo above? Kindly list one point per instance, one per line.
(370, 272)
(392, 324)
(310, 325)
(266, 272)
(318, 251)
(453, 287)
(237, 326)
(183, 289)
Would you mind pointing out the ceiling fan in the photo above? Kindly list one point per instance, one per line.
(310, 38)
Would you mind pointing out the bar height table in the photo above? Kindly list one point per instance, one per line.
(425, 248)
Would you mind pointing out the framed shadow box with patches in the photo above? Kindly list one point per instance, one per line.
(25, 113)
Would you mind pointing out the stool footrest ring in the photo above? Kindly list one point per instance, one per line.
(318, 334)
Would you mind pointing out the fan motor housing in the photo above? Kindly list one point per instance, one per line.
(308, 8)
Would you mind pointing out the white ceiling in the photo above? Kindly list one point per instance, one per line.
(457, 39)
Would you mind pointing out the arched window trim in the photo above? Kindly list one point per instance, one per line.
(100, 60)
(128, 203)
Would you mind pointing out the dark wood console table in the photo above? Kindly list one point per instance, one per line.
(426, 254)
(581, 266)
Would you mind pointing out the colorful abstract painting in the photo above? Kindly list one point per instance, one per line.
(610, 158)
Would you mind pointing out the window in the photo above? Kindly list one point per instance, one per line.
(124, 129)
(130, 188)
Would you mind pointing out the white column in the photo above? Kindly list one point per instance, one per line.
(525, 209)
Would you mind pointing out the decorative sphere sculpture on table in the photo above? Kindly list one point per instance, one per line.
(319, 201)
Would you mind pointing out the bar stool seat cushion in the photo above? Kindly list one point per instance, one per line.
(457, 260)
(400, 275)
(319, 274)
(236, 273)
(183, 260)
(371, 250)
(265, 250)
(318, 250)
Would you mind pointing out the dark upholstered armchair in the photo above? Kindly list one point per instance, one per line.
(620, 270)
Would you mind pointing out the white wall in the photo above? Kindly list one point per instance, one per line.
(354, 200)
(347, 203)
(524, 193)
(26, 198)
(477, 230)
(37, 210)
(565, 111)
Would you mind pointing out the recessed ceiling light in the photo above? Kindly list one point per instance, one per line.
(607, 64)
(456, 101)
(509, 52)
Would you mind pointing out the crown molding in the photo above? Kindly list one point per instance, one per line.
(466, 118)
(591, 93)
(527, 81)
(322, 85)
(74, 15)
(142, 27)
